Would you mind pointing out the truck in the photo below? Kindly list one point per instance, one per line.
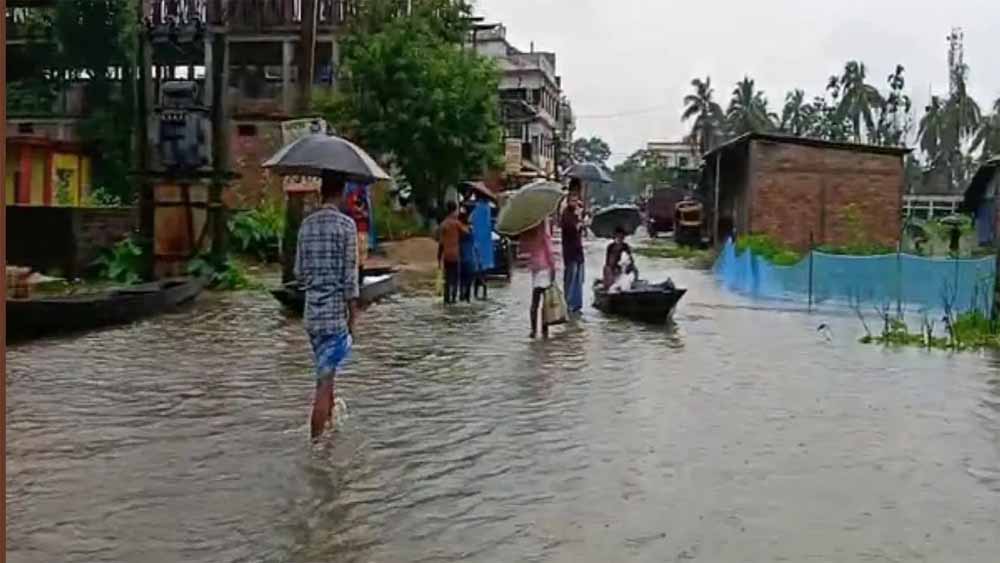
(661, 209)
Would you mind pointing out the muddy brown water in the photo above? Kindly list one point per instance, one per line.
(740, 434)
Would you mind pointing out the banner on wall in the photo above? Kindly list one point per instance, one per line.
(291, 131)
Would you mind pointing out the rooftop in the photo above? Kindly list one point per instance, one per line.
(810, 142)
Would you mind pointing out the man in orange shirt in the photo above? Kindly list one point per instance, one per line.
(449, 251)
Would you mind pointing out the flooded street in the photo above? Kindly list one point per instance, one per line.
(742, 434)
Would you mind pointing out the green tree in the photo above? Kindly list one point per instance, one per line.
(96, 43)
(829, 123)
(706, 131)
(987, 139)
(447, 20)
(747, 110)
(934, 133)
(895, 122)
(859, 100)
(593, 150)
(798, 116)
(413, 96)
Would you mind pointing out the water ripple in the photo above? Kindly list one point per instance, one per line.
(184, 438)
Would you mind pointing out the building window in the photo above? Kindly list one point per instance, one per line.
(246, 130)
(684, 162)
(25, 128)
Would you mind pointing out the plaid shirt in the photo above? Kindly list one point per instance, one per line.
(326, 265)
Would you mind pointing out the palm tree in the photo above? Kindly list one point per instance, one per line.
(747, 110)
(707, 115)
(859, 100)
(963, 111)
(934, 132)
(798, 115)
(987, 138)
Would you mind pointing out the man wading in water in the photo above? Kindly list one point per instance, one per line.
(326, 264)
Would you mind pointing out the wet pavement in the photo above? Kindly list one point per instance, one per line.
(741, 434)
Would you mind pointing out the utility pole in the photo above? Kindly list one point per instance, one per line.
(144, 99)
(220, 141)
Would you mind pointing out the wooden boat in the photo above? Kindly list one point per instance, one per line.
(37, 317)
(645, 302)
(377, 284)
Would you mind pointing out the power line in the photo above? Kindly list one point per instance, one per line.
(648, 110)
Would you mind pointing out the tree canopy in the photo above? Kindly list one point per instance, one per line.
(414, 96)
(593, 150)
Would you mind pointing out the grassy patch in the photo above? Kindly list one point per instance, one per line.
(694, 257)
(971, 330)
(767, 248)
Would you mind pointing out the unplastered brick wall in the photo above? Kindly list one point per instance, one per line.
(838, 196)
(253, 142)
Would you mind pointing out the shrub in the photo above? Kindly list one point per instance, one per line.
(121, 263)
(768, 249)
(395, 225)
(258, 232)
(225, 276)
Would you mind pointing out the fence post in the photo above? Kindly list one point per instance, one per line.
(899, 279)
(812, 244)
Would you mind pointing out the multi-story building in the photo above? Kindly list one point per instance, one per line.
(676, 155)
(533, 109)
(47, 164)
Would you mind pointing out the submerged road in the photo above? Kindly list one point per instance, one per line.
(740, 435)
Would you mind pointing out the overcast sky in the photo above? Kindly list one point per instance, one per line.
(626, 56)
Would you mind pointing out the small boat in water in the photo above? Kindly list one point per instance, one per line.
(32, 318)
(643, 301)
(376, 284)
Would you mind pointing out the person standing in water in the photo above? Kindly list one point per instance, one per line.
(538, 244)
(326, 264)
(571, 226)
(357, 207)
(468, 264)
(449, 251)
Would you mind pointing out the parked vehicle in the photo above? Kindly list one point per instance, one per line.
(689, 222)
(661, 209)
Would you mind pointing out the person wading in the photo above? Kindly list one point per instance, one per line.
(326, 263)
(538, 244)
(449, 251)
(571, 226)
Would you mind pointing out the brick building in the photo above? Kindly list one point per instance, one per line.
(792, 188)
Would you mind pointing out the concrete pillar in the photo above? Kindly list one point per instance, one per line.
(287, 95)
(334, 62)
(307, 55)
(47, 185)
(209, 79)
(24, 182)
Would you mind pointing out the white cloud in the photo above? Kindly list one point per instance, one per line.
(618, 56)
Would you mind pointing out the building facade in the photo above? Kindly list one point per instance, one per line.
(267, 67)
(676, 155)
(534, 111)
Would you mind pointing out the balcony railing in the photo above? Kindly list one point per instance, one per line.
(264, 15)
(247, 15)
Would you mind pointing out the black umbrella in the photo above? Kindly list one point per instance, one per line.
(606, 221)
(589, 172)
(314, 154)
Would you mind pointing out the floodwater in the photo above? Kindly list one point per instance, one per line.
(742, 434)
